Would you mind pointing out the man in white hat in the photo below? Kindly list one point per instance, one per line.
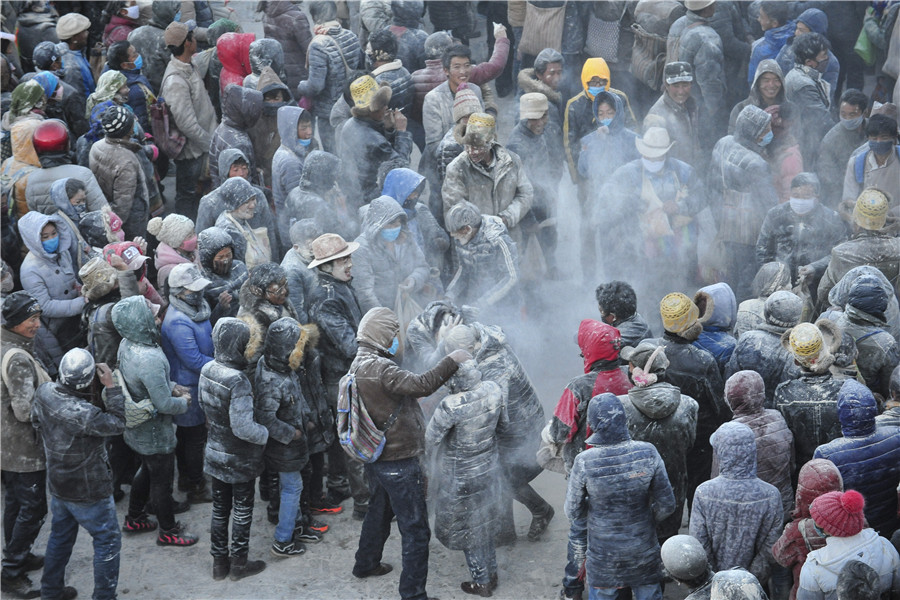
(676, 110)
(658, 196)
(333, 306)
(537, 141)
(72, 30)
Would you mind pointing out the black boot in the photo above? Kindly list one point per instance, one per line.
(241, 567)
(221, 567)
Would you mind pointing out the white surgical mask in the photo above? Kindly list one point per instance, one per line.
(801, 206)
(133, 12)
(654, 166)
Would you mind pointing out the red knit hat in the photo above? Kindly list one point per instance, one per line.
(839, 513)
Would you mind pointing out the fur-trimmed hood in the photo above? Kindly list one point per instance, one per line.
(286, 344)
(529, 83)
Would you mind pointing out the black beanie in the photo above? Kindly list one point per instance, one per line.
(17, 307)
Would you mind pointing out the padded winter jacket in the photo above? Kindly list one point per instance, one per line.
(212, 241)
(809, 406)
(236, 441)
(22, 451)
(287, 163)
(241, 108)
(333, 306)
(760, 350)
(233, 50)
(769, 46)
(53, 168)
(365, 146)
(188, 346)
(190, 107)
(879, 249)
(819, 577)
(115, 164)
(799, 240)
(327, 73)
(701, 46)
(287, 23)
(488, 272)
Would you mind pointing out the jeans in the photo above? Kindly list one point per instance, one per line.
(24, 509)
(154, 481)
(189, 453)
(187, 176)
(651, 591)
(99, 519)
(573, 579)
(228, 496)
(482, 561)
(291, 486)
(397, 488)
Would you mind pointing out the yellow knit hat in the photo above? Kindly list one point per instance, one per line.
(806, 341)
(479, 130)
(367, 94)
(678, 312)
(871, 209)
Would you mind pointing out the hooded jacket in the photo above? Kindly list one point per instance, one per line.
(280, 406)
(233, 50)
(809, 406)
(601, 154)
(119, 173)
(618, 491)
(287, 23)
(774, 441)
(736, 516)
(265, 135)
(188, 346)
(817, 21)
(327, 73)
(22, 451)
(761, 350)
(190, 107)
(716, 336)
(287, 163)
(867, 457)
(301, 281)
(259, 313)
(379, 268)
(149, 41)
(800, 537)
(74, 433)
(241, 108)
(211, 241)
(770, 278)
(739, 170)
(236, 442)
(431, 238)
(820, 573)
(387, 389)
(770, 46)
(334, 308)
(488, 271)
(568, 426)
(661, 415)
(462, 435)
(580, 115)
(54, 167)
(365, 146)
(50, 278)
(145, 370)
(878, 249)
(264, 52)
(840, 294)
(405, 25)
(79, 250)
(24, 160)
(315, 197)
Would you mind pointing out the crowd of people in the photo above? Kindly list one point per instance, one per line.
(211, 239)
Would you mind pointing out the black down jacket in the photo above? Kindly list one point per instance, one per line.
(334, 308)
(809, 405)
(211, 241)
(236, 442)
(280, 405)
(287, 23)
(241, 109)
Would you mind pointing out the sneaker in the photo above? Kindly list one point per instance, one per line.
(326, 506)
(336, 496)
(19, 587)
(308, 536)
(476, 589)
(68, 593)
(539, 524)
(381, 569)
(176, 536)
(138, 525)
(287, 549)
(317, 526)
(33, 562)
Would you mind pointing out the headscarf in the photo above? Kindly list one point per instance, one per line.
(107, 86)
(27, 97)
(48, 81)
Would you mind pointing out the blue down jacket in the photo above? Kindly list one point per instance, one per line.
(867, 457)
(618, 492)
(716, 336)
(736, 516)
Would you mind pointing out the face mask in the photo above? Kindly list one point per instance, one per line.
(139, 62)
(395, 345)
(605, 122)
(767, 139)
(654, 166)
(594, 90)
(58, 94)
(390, 234)
(880, 148)
(133, 12)
(190, 244)
(79, 209)
(852, 124)
(51, 246)
(303, 142)
(801, 206)
(191, 298)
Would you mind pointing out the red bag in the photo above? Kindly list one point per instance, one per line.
(165, 135)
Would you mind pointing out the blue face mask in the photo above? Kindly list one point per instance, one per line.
(395, 345)
(390, 234)
(594, 90)
(605, 122)
(303, 142)
(139, 62)
(51, 246)
(880, 148)
(767, 139)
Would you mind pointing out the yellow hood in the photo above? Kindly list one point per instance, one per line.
(594, 67)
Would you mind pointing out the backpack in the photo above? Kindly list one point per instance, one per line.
(359, 436)
(166, 135)
(859, 164)
(653, 18)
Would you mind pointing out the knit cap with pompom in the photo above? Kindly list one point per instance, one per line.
(172, 231)
(839, 514)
